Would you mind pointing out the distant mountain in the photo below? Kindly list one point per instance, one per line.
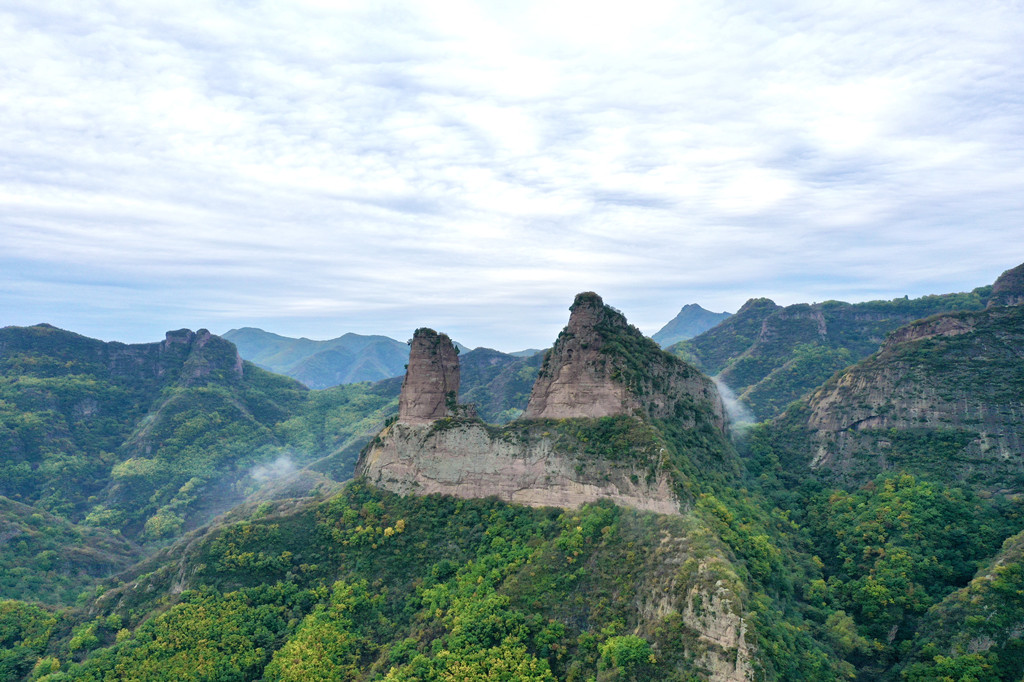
(691, 321)
(528, 352)
(347, 359)
(771, 355)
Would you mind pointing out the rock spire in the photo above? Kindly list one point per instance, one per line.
(576, 379)
(431, 385)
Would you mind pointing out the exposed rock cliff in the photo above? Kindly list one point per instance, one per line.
(942, 395)
(586, 433)
(521, 463)
(601, 365)
(1008, 288)
(431, 385)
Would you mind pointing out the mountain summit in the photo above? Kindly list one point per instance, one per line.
(691, 321)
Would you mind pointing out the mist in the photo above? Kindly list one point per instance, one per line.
(280, 468)
(739, 414)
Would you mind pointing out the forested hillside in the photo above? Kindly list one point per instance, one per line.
(871, 531)
(770, 355)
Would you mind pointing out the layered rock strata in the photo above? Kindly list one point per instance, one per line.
(431, 386)
(472, 460)
(600, 368)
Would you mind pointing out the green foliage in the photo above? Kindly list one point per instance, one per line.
(626, 658)
(25, 632)
(771, 356)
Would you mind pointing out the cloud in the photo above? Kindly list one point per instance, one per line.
(372, 167)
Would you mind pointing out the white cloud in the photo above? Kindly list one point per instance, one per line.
(330, 167)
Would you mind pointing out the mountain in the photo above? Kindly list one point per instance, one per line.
(691, 321)
(348, 359)
(771, 355)
(527, 353)
(370, 584)
(150, 440)
(603, 522)
(600, 374)
(942, 397)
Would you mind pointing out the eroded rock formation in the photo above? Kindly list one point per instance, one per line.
(576, 379)
(602, 366)
(431, 385)
(522, 465)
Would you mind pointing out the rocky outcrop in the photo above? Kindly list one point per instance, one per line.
(524, 464)
(942, 396)
(1008, 288)
(602, 374)
(700, 597)
(431, 386)
(576, 379)
(601, 366)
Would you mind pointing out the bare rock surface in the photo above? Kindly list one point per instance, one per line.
(431, 384)
(602, 366)
(469, 460)
(576, 380)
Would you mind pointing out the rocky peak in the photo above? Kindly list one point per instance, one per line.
(206, 355)
(431, 385)
(576, 379)
(1008, 288)
(602, 366)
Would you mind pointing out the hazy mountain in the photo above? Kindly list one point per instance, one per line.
(348, 359)
(691, 321)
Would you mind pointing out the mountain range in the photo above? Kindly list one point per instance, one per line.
(171, 511)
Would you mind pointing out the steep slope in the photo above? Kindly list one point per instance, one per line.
(369, 585)
(45, 558)
(691, 321)
(975, 633)
(583, 436)
(144, 439)
(942, 397)
(770, 356)
(350, 358)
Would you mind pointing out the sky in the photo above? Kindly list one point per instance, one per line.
(314, 168)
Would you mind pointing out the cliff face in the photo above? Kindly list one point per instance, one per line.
(431, 384)
(576, 379)
(585, 434)
(942, 395)
(602, 366)
(524, 464)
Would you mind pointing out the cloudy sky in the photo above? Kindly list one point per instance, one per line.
(314, 167)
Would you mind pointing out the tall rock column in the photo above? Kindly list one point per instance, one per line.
(431, 384)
